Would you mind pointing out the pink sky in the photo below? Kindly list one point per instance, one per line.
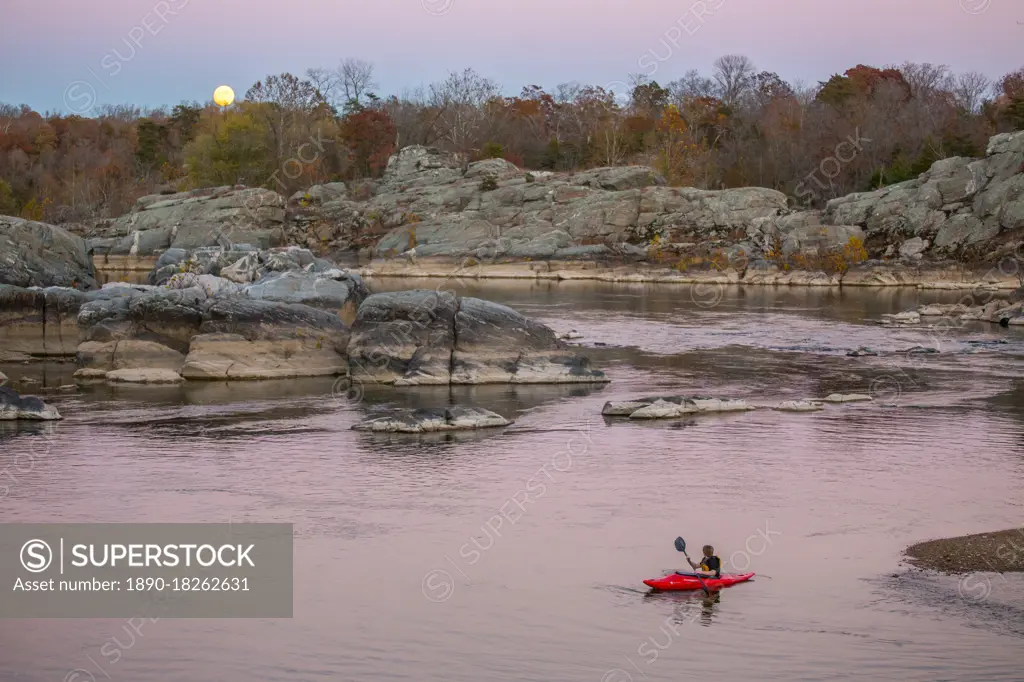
(48, 45)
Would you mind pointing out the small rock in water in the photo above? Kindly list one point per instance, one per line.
(435, 419)
(3, 378)
(669, 407)
(14, 406)
(571, 335)
(908, 317)
(919, 349)
(862, 352)
(800, 406)
(847, 398)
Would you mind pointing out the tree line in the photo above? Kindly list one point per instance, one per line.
(737, 126)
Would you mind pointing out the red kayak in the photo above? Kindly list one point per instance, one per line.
(675, 582)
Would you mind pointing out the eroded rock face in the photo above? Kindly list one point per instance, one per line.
(245, 339)
(427, 337)
(40, 255)
(436, 419)
(15, 406)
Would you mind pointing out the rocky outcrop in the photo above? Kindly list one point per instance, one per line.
(219, 216)
(428, 337)
(436, 419)
(671, 407)
(39, 255)
(14, 406)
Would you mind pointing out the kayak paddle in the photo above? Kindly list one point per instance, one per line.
(681, 547)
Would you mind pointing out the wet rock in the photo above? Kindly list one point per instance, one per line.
(862, 352)
(800, 406)
(847, 398)
(14, 406)
(908, 317)
(918, 350)
(40, 255)
(437, 419)
(571, 335)
(143, 376)
(669, 407)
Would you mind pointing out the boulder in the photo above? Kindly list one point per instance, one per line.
(404, 337)
(425, 337)
(3, 378)
(36, 254)
(495, 344)
(15, 406)
(435, 419)
(167, 317)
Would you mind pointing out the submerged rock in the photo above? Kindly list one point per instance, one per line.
(435, 419)
(669, 407)
(800, 406)
(15, 406)
(847, 398)
(862, 352)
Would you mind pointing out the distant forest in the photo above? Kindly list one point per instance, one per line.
(737, 126)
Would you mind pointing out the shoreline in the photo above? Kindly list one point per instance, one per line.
(935, 277)
(999, 551)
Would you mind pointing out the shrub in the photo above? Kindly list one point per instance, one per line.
(530, 178)
(488, 184)
(493, 150)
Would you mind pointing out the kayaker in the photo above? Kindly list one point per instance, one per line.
(710, 565)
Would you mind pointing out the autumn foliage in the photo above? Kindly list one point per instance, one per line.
(737, 127)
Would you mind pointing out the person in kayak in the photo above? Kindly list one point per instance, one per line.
(710, 565)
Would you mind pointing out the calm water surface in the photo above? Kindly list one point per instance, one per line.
(402, 571)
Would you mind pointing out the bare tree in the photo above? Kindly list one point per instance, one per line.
(969, 90)
(459, 102)
(355, 77)
(926, 79)
(734, 75)
(327, 82)
(691, 86)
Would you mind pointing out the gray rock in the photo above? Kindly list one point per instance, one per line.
(219, 216)
(668, 407)
(334, 290)
(15, 406)
(436, 419)
(913, 247)
(40, 255)
(431, 337)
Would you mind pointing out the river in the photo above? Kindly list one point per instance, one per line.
(403, 573)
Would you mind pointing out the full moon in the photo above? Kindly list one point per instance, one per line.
(224, 95)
